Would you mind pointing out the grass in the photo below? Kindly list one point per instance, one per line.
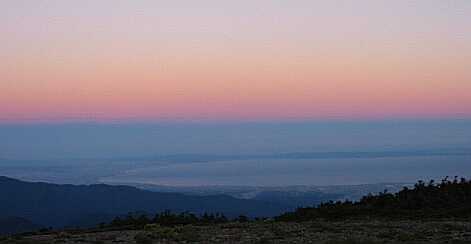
(263, 232)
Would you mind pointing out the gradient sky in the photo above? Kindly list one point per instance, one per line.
(234, 60)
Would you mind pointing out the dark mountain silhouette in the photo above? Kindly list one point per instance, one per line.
(10, 225)
(85, 205)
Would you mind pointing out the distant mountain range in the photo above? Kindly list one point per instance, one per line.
(56, 205)
(26, 206)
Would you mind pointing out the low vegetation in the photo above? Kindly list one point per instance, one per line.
(168, 218)
(447, 199)
(264, 231)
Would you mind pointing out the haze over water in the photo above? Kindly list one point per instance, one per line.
(214, 92)
(262, 153)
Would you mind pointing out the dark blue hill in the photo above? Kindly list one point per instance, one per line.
(71, 205)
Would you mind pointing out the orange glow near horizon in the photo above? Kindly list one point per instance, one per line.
(212, 67)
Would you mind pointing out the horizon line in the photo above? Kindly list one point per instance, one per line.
(230, 121)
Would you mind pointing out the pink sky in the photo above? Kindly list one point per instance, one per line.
(151, 60)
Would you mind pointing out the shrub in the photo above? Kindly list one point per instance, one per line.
(142, 238)
(444, 200)
(188, 233)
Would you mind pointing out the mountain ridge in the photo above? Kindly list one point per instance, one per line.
(57, 205)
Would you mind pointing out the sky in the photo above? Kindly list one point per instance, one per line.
(149, 140)
(115, 60)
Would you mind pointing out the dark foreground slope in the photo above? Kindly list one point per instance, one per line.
(318, 232)
(69, 205)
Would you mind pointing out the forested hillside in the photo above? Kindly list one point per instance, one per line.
(449, 198)
(88, 205)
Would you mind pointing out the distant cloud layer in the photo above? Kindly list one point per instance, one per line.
(130, 140)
